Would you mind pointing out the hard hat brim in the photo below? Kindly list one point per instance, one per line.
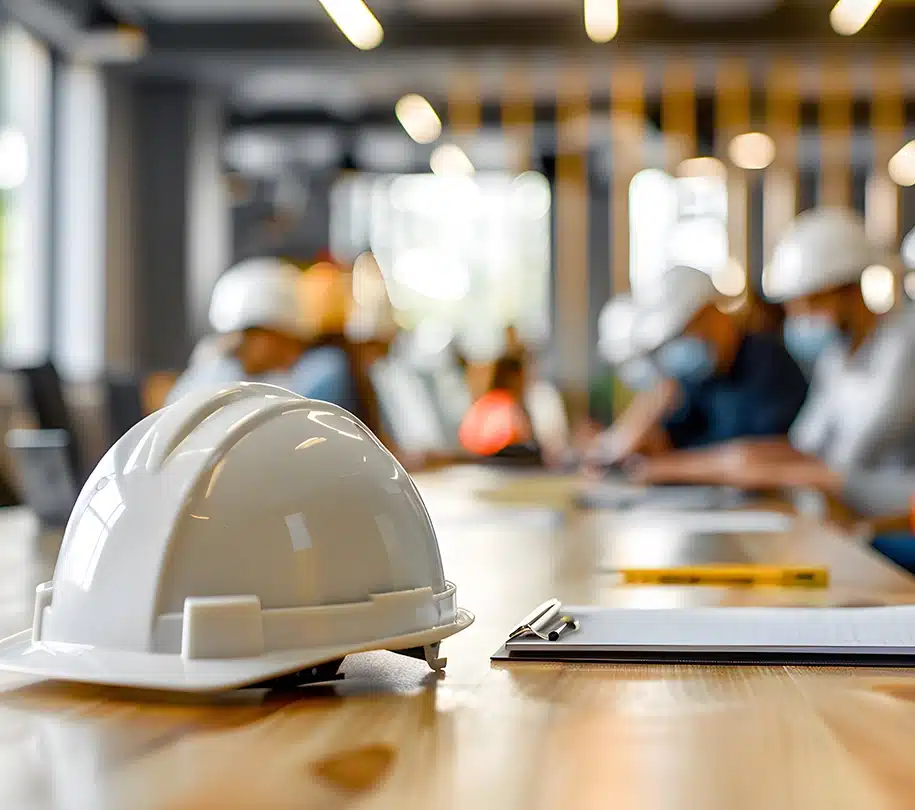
(87, 664)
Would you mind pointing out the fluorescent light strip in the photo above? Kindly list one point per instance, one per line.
(850, 16)
(355, 19)
(602, 19)
(418, 118)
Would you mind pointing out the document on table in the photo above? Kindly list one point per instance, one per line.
(879, 636)
(618, 495)
(705, 521)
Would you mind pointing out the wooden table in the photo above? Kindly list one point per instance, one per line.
(513, 736)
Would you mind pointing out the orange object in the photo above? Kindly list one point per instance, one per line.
(495, 421)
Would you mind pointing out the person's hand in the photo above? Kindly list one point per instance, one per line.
(746, 466)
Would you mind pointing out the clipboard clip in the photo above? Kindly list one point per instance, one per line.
(545, 623)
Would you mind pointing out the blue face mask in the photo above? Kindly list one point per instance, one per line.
(687, 359)
(637, 374)
(808, 336)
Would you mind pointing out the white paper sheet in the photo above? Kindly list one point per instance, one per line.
(840, 630)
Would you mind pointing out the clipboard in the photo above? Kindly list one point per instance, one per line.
(863, 636)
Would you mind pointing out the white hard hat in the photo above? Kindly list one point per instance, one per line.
(908, 250)
(265, 293)
(233, 537)
(682, 293)
(823, 249)
(371, 316)
(615, 329)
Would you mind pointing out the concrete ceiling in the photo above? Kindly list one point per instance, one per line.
(213, 10)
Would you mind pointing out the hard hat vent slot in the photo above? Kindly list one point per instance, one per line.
(189, 418)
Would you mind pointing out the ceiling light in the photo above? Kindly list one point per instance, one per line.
(850, 16)
(418, 118)
(355, 19)
(752, 150)
(902, 166)
(450, 159)
(878, 288)
(602, 19)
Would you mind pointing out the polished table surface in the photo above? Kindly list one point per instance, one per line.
(392, 735)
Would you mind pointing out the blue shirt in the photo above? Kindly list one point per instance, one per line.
(321, 373)
(760, 395)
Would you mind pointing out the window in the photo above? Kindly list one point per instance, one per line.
(25, 72)
(679, 220)
(472, 253)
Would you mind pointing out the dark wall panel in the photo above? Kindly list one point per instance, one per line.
(162, 150)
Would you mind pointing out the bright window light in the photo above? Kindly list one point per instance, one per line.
(14, 159)
(752, 150)
(432, 274)
(418, 118)
(356, 21)
(602, 19)
(878, 287)
(531, 195)
(850, 16)
(902, 166)
(450, 159)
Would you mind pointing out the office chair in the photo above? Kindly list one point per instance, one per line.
(123, 403)
(44, 393)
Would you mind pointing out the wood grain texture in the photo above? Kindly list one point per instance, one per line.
(393, 735)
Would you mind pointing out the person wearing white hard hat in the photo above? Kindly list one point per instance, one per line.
(859, 418)
(236, 536)
(719, 382)
(616, 344)
(263, 312)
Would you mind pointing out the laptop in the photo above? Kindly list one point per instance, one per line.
(42, 461)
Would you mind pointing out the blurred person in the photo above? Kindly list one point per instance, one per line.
(400, 402)
(636, 373)
(519, 411)
(856, 432)
(717, 382)
(498, 422)
(616, 344)
(767, 317)
(268, 316)
(428, 349)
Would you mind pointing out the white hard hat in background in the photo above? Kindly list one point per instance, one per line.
(615, 327)
(683, 292)
(823, 249)
(908, 250)
(265, 293)
(371, 316)
(236, 536)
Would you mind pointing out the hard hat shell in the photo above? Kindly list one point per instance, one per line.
(615, 329)
(235, 536)
(823, 249)
(264, 292)
(682, 294)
